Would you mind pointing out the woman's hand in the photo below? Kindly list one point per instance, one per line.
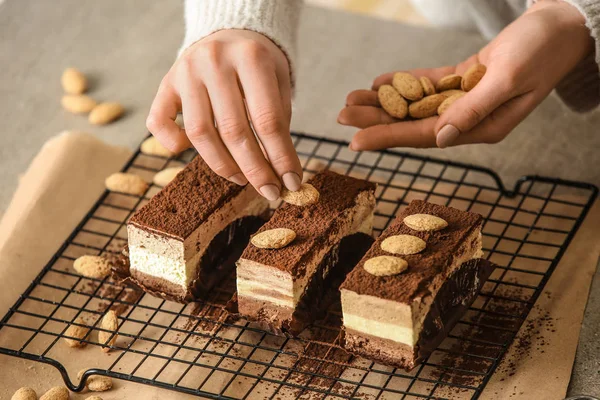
(524, 63)
(227, 85)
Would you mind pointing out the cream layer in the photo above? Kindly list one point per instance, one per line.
(177, 261)
(400, 322)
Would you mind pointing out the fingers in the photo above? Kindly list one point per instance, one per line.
(285, 89)
(500, 122)
(270, 120)
(362, 97)
(421, 133)
(364, 116)
(417, 133)
(235, 132)
(469, 110)
(161, 120)
(200, 130)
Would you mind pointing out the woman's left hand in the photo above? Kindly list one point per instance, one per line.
(524, 63)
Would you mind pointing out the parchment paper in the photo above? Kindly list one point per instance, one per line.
(62, 184)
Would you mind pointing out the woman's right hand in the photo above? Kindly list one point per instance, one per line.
(226, 85)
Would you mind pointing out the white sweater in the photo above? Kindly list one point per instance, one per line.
(278, 20)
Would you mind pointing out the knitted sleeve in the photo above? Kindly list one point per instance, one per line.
(276, 19)
(580, 89)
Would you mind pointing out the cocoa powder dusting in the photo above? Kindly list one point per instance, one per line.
(187, 201)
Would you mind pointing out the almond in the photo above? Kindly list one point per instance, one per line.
(126, 183)
(93, 398)
(428, 88)
(78, 103)
(473, 76)
(385, 265)
(392, 102)
(273, 238)
(89, 266)
(99, 383)
(403, 244)
(408, 86)
(451, 92)
(152, 147)
(24, 393)
(448, 82)
(425, 222)
(104, 113)
(306, 195)
(73, 81)
(426, 107)
(78, 332)
(162, 178)
(56, 393)
(96, 383)
(110, 323)
(448, 102)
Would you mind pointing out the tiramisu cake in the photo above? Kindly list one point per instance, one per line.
(179, 240)
(282, 287)
(414, 283)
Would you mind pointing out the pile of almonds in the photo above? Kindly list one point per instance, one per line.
(75, 84)
(124, 182)
(420, 98)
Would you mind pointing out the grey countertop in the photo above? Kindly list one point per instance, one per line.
(127, 46)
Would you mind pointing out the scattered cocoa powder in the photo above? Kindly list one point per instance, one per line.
(532, 338)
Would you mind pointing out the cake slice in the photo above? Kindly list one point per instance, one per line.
(397, 313)
(179, 241)
(283, 287)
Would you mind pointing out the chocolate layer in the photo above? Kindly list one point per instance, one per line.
(218, 262)
(186, 202)
(425, 266)
(313, 224)
(451, 302)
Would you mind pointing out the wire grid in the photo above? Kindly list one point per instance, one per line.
(196, 349)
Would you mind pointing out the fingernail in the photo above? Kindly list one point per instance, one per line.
(351, 146)
(446, 136)
(270, 192)
(239, 179)
(292, 181)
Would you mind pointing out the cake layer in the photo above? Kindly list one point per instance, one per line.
(273, 283)
(394, 308)
(451, 302)
(170, 235)
(218, 261)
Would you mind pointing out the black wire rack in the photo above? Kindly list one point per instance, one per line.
(197, 349)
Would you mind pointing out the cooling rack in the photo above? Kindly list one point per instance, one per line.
(197, 349)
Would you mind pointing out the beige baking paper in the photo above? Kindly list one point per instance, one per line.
(66, 178)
